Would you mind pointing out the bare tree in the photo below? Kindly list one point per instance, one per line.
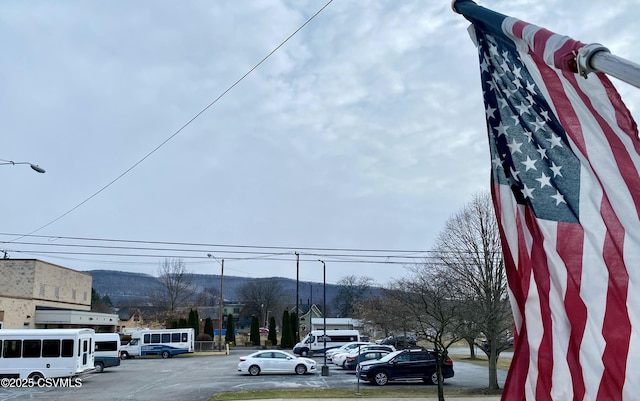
(384, 313)
(262, 298)
(208, 296)
(470, 248)
(434, 306)
(351, 290)
(177, 287)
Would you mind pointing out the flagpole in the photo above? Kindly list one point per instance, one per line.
(590, 58)
(595, 57)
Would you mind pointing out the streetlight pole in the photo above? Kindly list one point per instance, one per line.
(297, 323)
(220, 305)
(325, 368)
(34, 167)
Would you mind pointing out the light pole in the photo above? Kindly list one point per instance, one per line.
(221, 299)
(325, 368)
(297, 339)
(35, 167)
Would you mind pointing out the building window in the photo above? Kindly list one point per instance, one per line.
(85, 295)
(73, 294)
(56, 292)
(42, 290)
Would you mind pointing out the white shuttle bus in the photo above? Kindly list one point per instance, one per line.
(314, 342)
(166, 343)
(45, 353)
(107, 351)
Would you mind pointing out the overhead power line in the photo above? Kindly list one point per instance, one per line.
(138, 249)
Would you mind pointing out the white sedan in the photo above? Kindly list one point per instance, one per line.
(274, 361)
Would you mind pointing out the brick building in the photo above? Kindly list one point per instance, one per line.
(37, 294)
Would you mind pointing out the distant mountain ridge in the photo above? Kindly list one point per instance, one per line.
(126, 289)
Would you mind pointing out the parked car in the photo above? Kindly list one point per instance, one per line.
(340, 358)
(274, 361)
(344, 348)
(400, 341)
(368, 355)
(403, 365)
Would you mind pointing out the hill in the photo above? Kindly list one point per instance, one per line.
(124, 288)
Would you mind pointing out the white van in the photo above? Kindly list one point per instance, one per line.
(107, 351)
(314, 342)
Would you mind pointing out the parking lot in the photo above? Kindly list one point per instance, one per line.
(196, 378)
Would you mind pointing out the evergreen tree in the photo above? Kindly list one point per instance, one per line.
(208, 327)
(182, 322)
(190, 321)
(293, 318)
(196, 321)
(286, 341)
(273, 336)
(230, 337)
(254, 337)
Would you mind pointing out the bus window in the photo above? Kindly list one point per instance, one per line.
(185, 337)
(31, 348)
(50, 348)
(155, 338)
(166, 337)
(12, 348)
(67, 348)
(175, 337)
(106, 346)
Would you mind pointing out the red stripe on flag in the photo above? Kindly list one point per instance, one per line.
(541, 276)
(617, 326)
(514, 387)
(570, 245)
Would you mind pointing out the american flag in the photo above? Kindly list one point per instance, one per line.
(566, 189)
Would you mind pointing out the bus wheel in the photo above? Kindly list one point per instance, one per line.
(36, 376)
(165, 354)
(99, 367)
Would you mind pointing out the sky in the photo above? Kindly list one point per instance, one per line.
(178, 130)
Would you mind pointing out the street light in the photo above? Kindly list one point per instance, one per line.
(35, 167)
(325, 368)
(221, 299)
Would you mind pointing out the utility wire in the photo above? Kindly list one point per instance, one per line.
(56, 237)
(184, 126)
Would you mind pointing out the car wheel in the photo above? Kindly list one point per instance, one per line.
(254, 370)
(124, 355)
(99, 367)
(432, 379)
(301, 369)
(381, 378)
(165, 354)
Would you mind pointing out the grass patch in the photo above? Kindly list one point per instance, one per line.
(482, 360)
(400, 390)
